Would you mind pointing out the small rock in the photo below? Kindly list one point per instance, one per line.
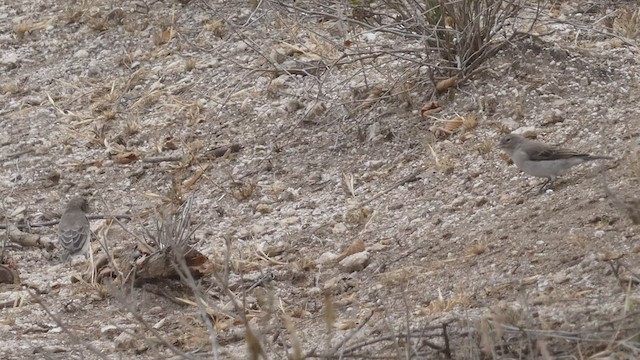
(355, 262)
(155, 310)
(277, 56)
(293, 106)
(266, 200)
(379, 246)
(124, 341)
(554, 116)
(316, 109)
(526, 131)
(354, 215)
(160, 323)
(589, 261)
(560, 103)
(396, 206)
(481, 201)
(263, 208)
(93, 69)
(560, 278)
(373, 131)
(291, 220)
(510, 124)
(257, 229)
(18, 211)
(9, 59)
(314, 291)
(326, 258)
(374, 164)
(308, 204)
(559, 54)
(488, 104)
(339, 228)
(336, 285)
(544, 285)
(108, 329)
(81, 54)
(459, 201)
(247, 106)
(286, 195)
(243, 233)
(370, 37)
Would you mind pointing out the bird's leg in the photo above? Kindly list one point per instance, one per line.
(544, 186)
(547, 185)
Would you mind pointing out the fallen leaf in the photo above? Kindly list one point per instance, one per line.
(447, 83)
(126, 158)
(431, 107)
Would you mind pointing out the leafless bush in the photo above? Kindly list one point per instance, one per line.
(464, 33)
(457, 36)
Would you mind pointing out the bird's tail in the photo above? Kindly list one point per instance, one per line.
(596, 157)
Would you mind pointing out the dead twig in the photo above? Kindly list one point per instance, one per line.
(16, 154)
(214, 153)
(55, 222)
(409, 178)
(27, 239)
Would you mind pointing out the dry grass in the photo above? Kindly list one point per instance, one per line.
(627, 23)
(485, 147)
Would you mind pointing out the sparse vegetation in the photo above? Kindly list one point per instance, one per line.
(315, 179)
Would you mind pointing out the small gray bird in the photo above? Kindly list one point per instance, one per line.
(542, 160)
(74, 232)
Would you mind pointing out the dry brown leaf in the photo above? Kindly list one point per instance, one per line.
(466, 136)
(447, 83)
(163, 37)
(191, 181)
(431, 107)
(355, 247)
(126, 158)
(346, 325)
(453, 125)
(199, 265)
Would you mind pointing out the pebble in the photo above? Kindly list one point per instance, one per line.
(355, 262)
(81, 54)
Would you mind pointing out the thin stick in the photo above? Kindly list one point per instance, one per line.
(55, 222)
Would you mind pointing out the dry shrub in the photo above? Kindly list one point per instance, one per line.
(465, 33)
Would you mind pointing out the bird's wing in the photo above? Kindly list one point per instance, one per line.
(74, 233)
(541, 152)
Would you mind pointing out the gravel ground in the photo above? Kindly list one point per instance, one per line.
(321, 205)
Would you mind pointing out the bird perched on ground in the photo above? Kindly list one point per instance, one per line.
(74, 232)
(542, 160)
